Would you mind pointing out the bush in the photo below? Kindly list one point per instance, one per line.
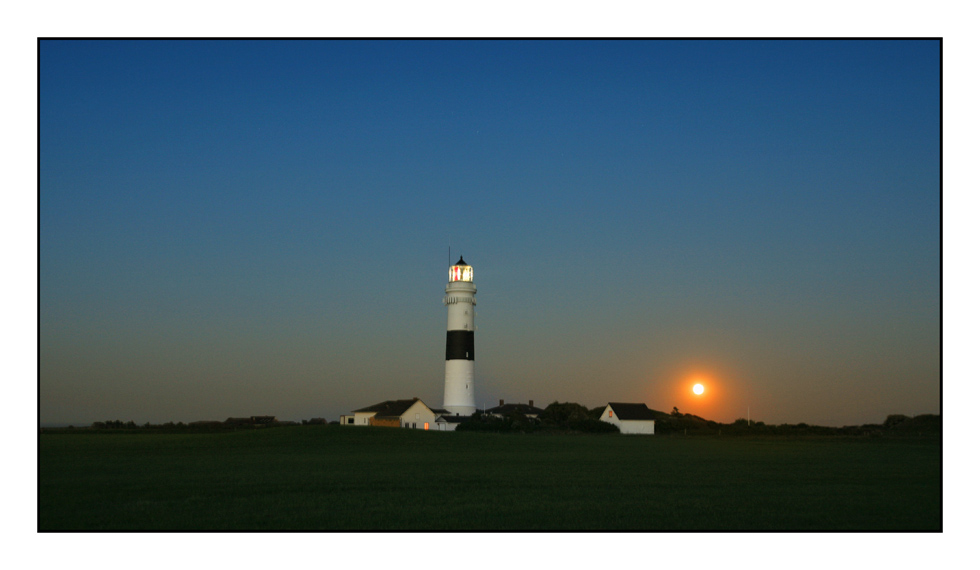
(487, 423)
(894, 420)
(593, 426)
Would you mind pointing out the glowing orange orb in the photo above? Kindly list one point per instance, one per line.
(698, 389)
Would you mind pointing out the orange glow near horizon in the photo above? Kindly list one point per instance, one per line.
(721, 398)
(699, 390)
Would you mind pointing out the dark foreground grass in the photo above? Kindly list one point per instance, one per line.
(361, 478)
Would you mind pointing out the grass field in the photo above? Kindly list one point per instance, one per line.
(354, 478)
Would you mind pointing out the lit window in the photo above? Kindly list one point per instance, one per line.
(610, 413)
(426, 425)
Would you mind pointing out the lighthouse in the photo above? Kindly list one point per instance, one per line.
(460, 298)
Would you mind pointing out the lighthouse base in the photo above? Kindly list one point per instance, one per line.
(459, 398)
(461, 410)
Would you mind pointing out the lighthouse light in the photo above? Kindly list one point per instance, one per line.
(461, 273)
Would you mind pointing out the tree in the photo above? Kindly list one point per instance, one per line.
(562, 415)
(894, 420)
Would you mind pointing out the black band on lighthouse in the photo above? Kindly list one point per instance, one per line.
(459, 345)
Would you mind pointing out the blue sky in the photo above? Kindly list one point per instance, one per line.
(240, 228)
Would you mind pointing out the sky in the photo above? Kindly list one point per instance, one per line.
(235, 228)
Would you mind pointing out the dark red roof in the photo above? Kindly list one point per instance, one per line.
(390, 408)
(632, 411)
(453, 419)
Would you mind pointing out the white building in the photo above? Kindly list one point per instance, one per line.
(459, 397)
(447, 422)
(630, 418)
(413, 414)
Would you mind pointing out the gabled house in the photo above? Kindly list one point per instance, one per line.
(412, 414)
(630, 418)
(449, 422)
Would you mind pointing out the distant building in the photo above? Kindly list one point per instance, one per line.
(630, 418)
(412, 414)
(505, 410)
(449, 422)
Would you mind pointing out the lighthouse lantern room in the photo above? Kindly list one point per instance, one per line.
(460, 272)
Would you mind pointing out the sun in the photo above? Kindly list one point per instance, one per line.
(698, 389)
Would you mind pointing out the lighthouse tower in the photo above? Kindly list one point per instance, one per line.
(459, 396)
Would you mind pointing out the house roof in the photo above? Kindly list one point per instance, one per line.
(391, 408)
(525, 409)
(452, 419)
(632, 411)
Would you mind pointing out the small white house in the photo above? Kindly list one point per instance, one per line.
(413, 414)
(448, 422)
(630, 418)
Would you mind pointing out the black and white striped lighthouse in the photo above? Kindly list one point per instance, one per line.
(459, 398)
